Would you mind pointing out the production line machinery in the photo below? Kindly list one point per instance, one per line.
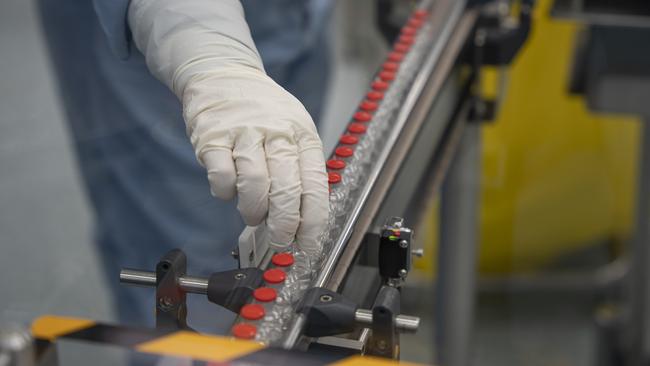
(417, 128)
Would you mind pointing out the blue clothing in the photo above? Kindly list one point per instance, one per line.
(148, 192)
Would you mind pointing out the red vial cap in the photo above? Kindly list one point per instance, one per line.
(362, 116)
(332, 178)
(244, 331)
(401, 47)
(335, 165)
(348, 140)
(265, 294)
(379, 85)
(420, 14)
(357, 128)
(252, 311)
(283, 259)
(390, 66)
(415, 22)
(367, 105)
(409, 31)
(274, 275)
(344, 151)
(395, 56)
(387, 75)
(375, 95)
(406, 39)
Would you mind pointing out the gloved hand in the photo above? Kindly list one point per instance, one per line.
(254, 138)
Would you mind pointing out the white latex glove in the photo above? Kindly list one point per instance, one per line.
(254, 138)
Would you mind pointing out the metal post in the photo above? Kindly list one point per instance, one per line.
(457, 254)
(638, 321)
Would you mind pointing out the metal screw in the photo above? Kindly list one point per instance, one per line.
(403, 273)
(234, 254)
(417, 252)
(326, 298)
(240, 276)
(403, 243)
(165, 303)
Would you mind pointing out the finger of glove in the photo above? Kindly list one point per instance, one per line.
(252, 178)
(221, 173)
(285, 191)
(314, 208)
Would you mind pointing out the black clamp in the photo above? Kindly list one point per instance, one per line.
(328, 313)
(232, 289)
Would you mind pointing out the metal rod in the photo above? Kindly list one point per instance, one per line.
(404, 323)
(195, 285)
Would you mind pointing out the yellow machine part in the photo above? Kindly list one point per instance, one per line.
(555, 177)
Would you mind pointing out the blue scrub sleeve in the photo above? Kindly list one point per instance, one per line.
(113, 20)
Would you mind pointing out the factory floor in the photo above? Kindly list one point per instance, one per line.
(49, 265)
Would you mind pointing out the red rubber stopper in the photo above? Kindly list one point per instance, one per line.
(244, 331)
(284, 259)
(387, 75)
(275, 275)
(390, 66)
(367, 105)
(332, 178)
(415, 22)
(395, 56)
(265, 294)
(401, 47)
(362, 116)
(335, 165)
(344, 151)
(379, 85)
(409, 31)
(406, 39)
(357, 128)
(349, 140)
(375, 95)
(420, 14)
(252, 311)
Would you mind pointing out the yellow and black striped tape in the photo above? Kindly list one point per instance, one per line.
(207, 349)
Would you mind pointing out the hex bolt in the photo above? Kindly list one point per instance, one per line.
(240, 276)
(165, 303)
(326, 298)
(403, 244)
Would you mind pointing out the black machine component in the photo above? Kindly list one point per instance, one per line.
(499, 36)
(394, 251)
(232, 289)
(328, 312)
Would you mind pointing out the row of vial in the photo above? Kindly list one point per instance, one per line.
(361, 143)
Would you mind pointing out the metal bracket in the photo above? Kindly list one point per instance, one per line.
(384, 341)
(171, 309)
